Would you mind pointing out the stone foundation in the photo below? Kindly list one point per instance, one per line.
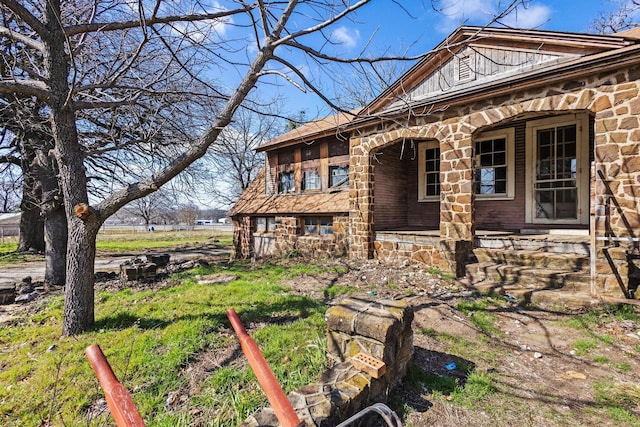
(381, 329)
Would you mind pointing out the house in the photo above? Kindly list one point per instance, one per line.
(511, 157)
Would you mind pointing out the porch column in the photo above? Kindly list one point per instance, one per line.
(360, 202)
(457, 227)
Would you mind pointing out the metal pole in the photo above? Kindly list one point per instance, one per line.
(278, 400)
(120, 404)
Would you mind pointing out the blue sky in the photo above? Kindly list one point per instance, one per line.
(419, 28)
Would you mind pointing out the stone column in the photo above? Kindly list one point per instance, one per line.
(456, 202)
(242, 237)
(360, 202)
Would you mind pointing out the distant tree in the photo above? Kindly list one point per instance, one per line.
(623, 17)
(233, 160)
(151, 209)
(187, 215)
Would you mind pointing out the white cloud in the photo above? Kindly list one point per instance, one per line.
(345, 36)
(481, 12)
(528, 17)
(200, 31)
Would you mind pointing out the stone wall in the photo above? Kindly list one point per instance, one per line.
(242, 237)
(287, 240)
(379, 329)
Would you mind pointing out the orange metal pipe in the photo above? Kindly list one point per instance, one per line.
(120, 404)
(278, 400)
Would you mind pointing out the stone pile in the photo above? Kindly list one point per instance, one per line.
(376, 332)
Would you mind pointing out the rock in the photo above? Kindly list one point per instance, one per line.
(7, 293)
(27, 297)
(25, 289)
(217, 278)
(537, 355)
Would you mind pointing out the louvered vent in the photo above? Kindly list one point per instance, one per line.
(464, 69)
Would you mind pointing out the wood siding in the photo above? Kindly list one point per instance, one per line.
(485, 64)
(507, 214)
(390, 188)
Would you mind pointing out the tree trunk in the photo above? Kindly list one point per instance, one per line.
(31, 228)
(55, 236)
(55, 220)
(83, 225)
(31, 222)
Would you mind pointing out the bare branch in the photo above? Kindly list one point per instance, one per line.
(154, 20)
(27, 87)
(20, 38)
(26, 16)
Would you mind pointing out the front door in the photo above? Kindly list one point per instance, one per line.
(558, 170)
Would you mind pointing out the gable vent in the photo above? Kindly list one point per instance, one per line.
(464, 69)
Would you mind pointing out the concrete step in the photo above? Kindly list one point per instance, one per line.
(518, 275)
(538, 259)
(549, 243)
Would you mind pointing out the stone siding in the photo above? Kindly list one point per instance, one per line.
(381, 329)
(611, 98)
(287, 240)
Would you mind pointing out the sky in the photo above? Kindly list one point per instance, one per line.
(417, 28)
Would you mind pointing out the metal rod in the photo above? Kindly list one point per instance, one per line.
(270, 385)
(120, 403)
(383, 410)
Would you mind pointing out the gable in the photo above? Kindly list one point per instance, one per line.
(474, 65)
(473, 57)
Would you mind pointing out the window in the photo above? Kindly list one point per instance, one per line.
(338, 148)
(264, 224)
(311, 180)
(317, 226)
(286, 174)
(287, 182)
(494, 164)
(339, 176)
(428, 171)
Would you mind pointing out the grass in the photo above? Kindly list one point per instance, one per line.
(123, 241)
(584, 346)
(479, 314)
(620, 400)
(151, 339)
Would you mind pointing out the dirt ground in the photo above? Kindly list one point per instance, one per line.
(538, 375)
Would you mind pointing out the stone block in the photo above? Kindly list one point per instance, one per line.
(7, 293)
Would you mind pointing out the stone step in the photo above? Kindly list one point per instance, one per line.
(518, 275)
(537, 259)
(551, 244)
(538, 296)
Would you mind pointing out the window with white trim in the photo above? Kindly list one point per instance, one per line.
(494, 164)
(429, 171)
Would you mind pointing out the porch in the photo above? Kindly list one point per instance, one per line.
(526, 266)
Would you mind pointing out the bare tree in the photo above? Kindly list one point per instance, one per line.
(63, 33)
(151, 209)
(623, 17)
(233, 160)
(59, 34)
